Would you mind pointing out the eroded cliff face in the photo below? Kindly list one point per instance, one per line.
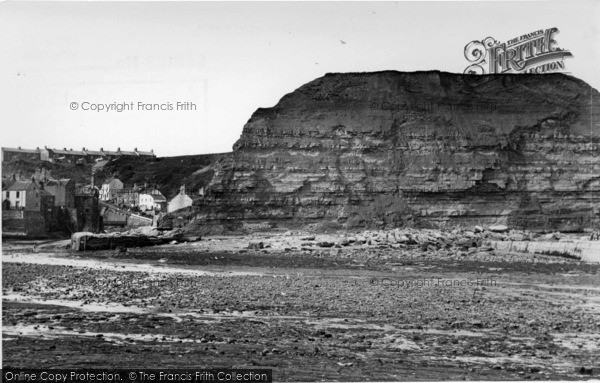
(425, 148)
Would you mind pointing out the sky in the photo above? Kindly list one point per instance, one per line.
(62, 60)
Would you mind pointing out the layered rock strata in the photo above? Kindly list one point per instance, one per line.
(429, 149)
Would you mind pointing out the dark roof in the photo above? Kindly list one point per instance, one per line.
(62, 181)
(94, 152)
(158, 196)
(21, 185)
(19, 150)
(6, 182)
(99, 165)
(68, 152)
(112, 179)
(86, 190)
(84, 152)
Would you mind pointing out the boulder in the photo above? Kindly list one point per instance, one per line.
(256, 245)
(343, 242)
(499, 228)
(325, 244)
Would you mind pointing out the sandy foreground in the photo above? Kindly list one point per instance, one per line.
(310, 312)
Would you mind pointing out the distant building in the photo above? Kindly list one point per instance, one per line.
(42, 175)
(27, 195)
(146, 201)
(153, 200)
(44, 154)
(27, 209)
(88, 210)
(16, 198)
(142, 153)
(94, 155)
(98, 165)
(69, 155)
(180, 201)
(63, 191)
(160, 202)
(129, 197)
(111, 189)
(112, 215)
(12, 154)
(64, 155)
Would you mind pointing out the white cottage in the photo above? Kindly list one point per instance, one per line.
(180, 201)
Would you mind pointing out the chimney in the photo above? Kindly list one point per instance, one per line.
(182, 189)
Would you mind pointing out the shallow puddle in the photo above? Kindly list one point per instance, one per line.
(61, 332)
(56, 260)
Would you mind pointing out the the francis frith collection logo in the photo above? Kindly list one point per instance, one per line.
(534, 52)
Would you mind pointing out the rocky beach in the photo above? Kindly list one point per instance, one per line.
(399, 305)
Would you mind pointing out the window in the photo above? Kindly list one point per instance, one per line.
(17, 194)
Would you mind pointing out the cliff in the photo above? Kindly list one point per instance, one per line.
(427, 149)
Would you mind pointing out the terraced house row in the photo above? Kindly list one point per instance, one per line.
(69, 155)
